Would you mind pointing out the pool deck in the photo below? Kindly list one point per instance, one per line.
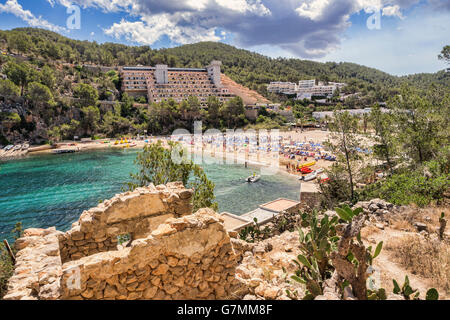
(264, 214)
(279, 205)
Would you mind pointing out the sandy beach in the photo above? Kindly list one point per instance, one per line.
(267, 162)
(89, 146)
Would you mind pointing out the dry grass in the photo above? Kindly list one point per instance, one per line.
(424, 257)
(366, 232)
(402, 225)
(430, 216)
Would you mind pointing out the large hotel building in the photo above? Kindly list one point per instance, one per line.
(163, 83)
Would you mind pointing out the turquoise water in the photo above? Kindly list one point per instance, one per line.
(53, 190)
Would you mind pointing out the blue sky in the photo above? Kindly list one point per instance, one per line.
(410, 35)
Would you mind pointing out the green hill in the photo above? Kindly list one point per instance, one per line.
(50, 96)
(247, 68)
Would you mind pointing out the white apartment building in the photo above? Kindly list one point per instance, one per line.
(282, 87)
(324, 90)
(305, 84)
(305, 89)
(308, 88)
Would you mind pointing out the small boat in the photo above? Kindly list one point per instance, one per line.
(308, 164)
(253, 179)
(306, 170)
(320, 170)
(310, 177)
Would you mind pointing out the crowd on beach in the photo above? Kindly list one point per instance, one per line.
(298, 155)
(287, 151)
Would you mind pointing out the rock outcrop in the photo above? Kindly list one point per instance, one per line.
(267, 265)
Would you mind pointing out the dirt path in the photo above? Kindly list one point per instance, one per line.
(390, 270)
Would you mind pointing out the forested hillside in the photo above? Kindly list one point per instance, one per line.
(49, 93)
(250, 69)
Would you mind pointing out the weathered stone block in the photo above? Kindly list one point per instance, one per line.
(88, 294)
(161, 269)
(110, 292)
(172, 261)
(170, 289)
(155, 281)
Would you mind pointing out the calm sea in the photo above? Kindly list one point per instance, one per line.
(53, 190)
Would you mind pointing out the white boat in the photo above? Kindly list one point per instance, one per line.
(310, 177)
(320, 170)
(253, 179)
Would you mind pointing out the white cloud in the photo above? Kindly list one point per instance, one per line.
(392, 11)
(304, 28)
(105, 5)
(137, 7)
(181, 21)
(152, 27)
(313, 9)
(13, 7)
(243, 6)
(316, 9)
(307, 28)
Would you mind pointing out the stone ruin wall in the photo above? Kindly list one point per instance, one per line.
(136, 213)
(174, 255)
(186, 258)
(38, 266)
